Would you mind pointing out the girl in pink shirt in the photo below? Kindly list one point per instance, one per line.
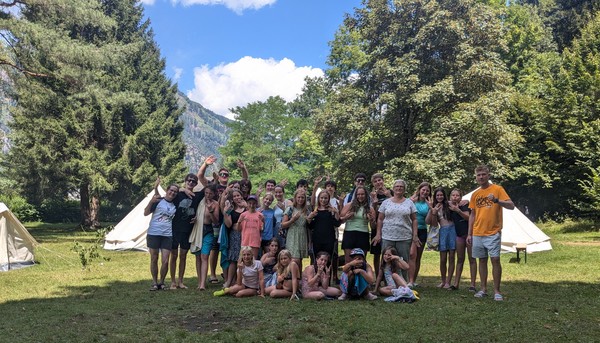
(252, 223)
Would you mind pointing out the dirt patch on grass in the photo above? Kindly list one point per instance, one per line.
(215, 322)
(582, 244)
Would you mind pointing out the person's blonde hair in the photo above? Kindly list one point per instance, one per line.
(242, 250)
(281, 270)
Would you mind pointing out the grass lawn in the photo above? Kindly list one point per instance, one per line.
(554, 297)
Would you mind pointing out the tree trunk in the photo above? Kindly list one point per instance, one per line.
(90, 206)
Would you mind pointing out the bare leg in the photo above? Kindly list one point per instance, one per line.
(199, 271)
(164, 268)
(182, 265)
(315, 295)
(496, 273)
(376, 263)
(460, 260)
(214, 256)
(472, 267)
(255, 252)
(280, 293)
(246, 292)
(154, 265)
(231, 273)
(451, 255)
(173, 267)
(414, 262)
(347, 255)
(399, 280)
(203, 271)
(483, 273)
(333, 292)
(443, 262)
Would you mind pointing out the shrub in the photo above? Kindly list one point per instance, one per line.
(21, 208)
(60, 211)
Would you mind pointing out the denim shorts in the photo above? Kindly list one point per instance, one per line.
(447, 238)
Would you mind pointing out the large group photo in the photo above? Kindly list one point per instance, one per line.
(302, 171)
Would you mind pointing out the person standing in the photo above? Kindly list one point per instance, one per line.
(186, 203)
(159, 238)
(485, 226)
(397, 223)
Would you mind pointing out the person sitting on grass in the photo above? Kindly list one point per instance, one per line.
(288, 276)
(315, 279)
(390, 271)
(159, 238)
(356, 277)
(250, 278)
(269, 260)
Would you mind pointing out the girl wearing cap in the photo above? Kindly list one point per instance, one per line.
(356, 277)
(251, 223)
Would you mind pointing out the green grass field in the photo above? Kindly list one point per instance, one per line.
(554, 297)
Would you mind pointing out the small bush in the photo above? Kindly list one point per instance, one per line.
(21, 208)
(60, 211)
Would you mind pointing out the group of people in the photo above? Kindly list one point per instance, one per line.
(263, 239)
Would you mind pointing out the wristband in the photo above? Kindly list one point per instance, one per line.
(495, 201)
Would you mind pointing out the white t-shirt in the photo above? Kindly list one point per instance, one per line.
(397, 225)
(162, 218)
(250, 274)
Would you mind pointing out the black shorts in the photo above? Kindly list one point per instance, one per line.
(356, 239)
(375, 249)
(181, 240)
(422, 236)
(159, 242)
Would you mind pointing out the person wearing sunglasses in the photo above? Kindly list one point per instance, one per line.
(359, 180)
(186, 203)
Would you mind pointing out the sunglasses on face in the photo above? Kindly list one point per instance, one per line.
(192, 181)
(360, 180)
(224, 175)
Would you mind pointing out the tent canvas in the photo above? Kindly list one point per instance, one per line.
(518, 229)
(16, 243)
(130, 232)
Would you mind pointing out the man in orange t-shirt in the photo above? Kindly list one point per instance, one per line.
(485, 226)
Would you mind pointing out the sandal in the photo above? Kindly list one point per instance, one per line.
(472, 289)
(161, 286)
(480, 294)
(498, 297)
(452, 288)
(213, 280)
(154, 287)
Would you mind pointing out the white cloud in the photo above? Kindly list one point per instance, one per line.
(177, 73)
(238, 6)
(248, 80)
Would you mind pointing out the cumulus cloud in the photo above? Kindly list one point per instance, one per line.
(177, 72)
(248, 80)
(237, 6)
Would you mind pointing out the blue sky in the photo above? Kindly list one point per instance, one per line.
(227, 53)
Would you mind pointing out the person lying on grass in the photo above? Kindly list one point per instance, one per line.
(356, 277)
(315, 279)
(390, 271)
(250, 278)
(288, 276)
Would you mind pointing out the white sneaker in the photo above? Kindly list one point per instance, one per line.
(342, 297)
(370, 296)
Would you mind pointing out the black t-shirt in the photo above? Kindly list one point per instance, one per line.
(323, 227)
(461, 224)
(186, 210)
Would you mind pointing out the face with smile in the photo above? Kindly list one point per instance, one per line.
(223, 176)
(171, 193)
(237, 198)
(378, 183)
(278, 193)
(361, 195)
(267, 200)
(323, 199)
(247, 256)
(424, 192)
(270, 187)
(440, 197)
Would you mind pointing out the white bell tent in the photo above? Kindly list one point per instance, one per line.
(16, 243)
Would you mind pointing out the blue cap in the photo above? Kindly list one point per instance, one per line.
(252, 197)
(357, 251)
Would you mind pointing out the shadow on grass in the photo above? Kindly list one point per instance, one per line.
(580, 227)
(127, 311)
